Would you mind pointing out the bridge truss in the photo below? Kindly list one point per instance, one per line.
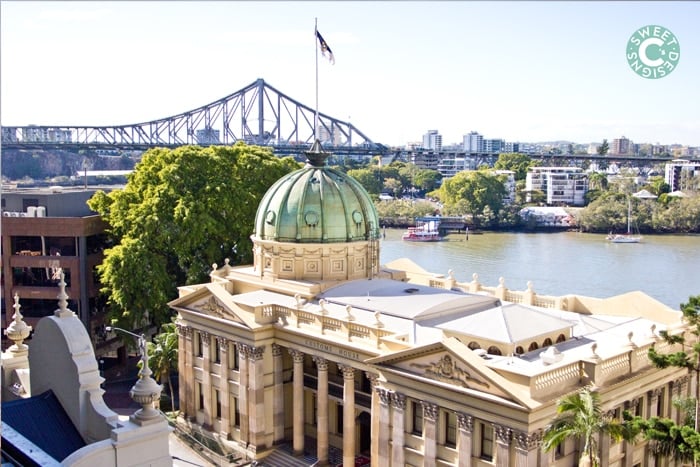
(257, 114)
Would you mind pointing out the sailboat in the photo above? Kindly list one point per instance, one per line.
(628, 237)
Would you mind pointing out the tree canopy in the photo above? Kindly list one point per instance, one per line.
(181, 211)
(472, 192)
(517, 162)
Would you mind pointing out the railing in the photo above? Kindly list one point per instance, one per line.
(346, 329)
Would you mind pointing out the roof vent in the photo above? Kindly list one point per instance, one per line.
(411, 290)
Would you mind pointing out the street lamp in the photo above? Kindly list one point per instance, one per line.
(145, 391)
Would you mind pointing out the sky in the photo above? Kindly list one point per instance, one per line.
(520, 71)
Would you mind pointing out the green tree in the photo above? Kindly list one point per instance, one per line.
(427, 179)
(598, 181)
(603, 148)
(658, 185)
(162, 357)
(181, 211)
(470, 192)
(394, 186)
(517, 162)
(580, 417)
(370, 179)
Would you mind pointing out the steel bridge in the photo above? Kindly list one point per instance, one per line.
(257, 114)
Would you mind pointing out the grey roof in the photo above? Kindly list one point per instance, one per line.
(407, 301)
(510, 323)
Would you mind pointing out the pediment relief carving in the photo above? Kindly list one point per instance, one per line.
(447, 370)
(211, 306)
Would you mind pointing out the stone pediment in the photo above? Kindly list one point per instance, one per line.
(451, 362)
(213, 300)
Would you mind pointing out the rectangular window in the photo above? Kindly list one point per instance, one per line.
(486, 442)
(201, 397)
(217, 351)
(217, 394)
(451, 429)
(559, 450)
(233, 360)
(200, 348)
(660, 403)
(236, 413)
(417, 418)
(639, 409)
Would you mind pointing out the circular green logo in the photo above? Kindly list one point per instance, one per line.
(653, 52)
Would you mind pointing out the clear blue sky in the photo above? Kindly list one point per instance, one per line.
(521, 71)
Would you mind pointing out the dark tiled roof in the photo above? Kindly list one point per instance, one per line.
(42, 420)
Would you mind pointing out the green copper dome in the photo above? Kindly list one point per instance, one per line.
(316, 204)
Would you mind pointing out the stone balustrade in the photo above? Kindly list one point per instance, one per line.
(595, 370)
(346, 329)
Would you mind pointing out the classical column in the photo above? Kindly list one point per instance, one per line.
(243, 393)
(398, 401)
(374, 410)
(381, 439)
(503, 437)
(184, 368)
(675, 392)
(654, 396)
(256, 397)
(277, 395)
(206, 379)
(322, 410)
(627, 447)
(430, 416)
(526, 448)
(465, 424)
(224, 389)
(298, 402)
(348, 415)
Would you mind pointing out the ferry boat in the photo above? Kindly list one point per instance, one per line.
(422, 232)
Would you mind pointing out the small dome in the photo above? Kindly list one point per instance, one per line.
(316, 204)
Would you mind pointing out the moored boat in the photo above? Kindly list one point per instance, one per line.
(426, 232)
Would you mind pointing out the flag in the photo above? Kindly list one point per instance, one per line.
(325, 50)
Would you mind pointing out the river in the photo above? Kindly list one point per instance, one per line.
(663, 266)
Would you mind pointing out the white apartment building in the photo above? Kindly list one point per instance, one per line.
(473, 143)
(680, 174)
(432, 140)
(561, 185)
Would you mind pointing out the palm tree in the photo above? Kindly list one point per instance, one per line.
(581, 417)
(162, 356)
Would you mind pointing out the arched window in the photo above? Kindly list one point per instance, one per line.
(474, 345)
(519, 350)
(533, 346)
(547, 342)
(493, 350)
(561, 338)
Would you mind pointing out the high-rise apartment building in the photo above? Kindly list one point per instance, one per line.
(432, 140)
(473, 143)
(621, 146)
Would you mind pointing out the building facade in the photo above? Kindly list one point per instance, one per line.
(473, 143)
(432, 140)
(46, 231)
(561, 185)
(318, 348)
(682, 175)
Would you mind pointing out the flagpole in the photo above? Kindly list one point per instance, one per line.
(316, 47)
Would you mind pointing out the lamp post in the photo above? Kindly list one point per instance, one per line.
(145, 391)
